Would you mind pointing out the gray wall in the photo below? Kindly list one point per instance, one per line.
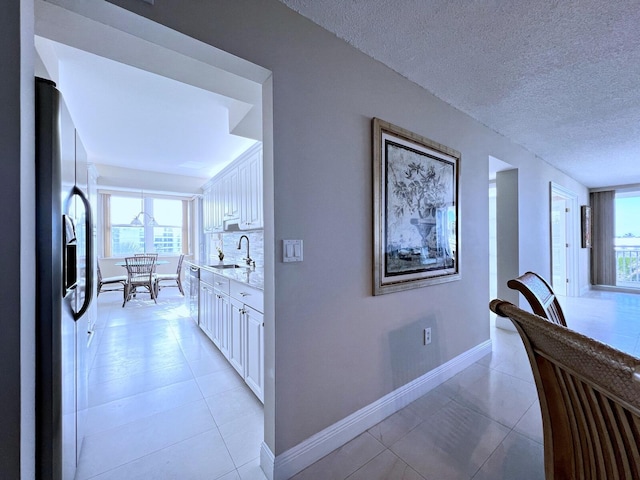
(338, 348)
(10, 253)
(16, 254)
(507, 235)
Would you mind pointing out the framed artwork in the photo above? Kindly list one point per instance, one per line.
(416, 210)
(585, 211)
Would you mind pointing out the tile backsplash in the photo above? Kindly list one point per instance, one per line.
(228, 242)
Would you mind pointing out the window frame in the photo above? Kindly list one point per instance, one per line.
(148, 230)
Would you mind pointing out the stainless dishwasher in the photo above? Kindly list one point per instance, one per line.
(194, 287)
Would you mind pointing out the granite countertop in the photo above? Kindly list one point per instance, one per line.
(252, 276)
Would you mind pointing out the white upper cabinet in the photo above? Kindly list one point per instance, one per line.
(231, 195)
(250, 177)
(212, 207)
(207, 214)
(217, 206)
(235, 195)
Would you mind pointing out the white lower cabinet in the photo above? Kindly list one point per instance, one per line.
(221, 312)
(236, 347)
(246, 349)
(254, 348)
(205, 312)
(227, 314)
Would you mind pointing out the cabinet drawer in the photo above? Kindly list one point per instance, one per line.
(220, 284)
(250, 296)
(206, 276)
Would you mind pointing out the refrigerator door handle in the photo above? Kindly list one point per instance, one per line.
(89, 253)
(69, 256)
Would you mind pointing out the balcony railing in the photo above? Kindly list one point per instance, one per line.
(628, 266)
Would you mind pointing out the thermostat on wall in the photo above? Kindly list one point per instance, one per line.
(291, 250)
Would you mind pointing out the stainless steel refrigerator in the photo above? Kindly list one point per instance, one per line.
(65, 287)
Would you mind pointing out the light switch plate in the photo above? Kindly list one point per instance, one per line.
(291, 250)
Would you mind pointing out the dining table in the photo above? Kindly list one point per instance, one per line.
(158, 262)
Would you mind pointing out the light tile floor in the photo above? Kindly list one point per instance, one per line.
(163, 401)
(484, 423)
(165, 404)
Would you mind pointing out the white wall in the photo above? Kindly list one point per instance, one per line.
(138, 180)
(338, 348)
(535, 220)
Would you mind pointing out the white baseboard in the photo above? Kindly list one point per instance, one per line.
(615, 288)
(267, 461)
(311, 450)
(505, 324)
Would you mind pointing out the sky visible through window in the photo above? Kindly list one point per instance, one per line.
(163, 236)
(167, 212)
(123, 209)
(627, 216)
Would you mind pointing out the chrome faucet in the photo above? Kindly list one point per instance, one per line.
(248, 259)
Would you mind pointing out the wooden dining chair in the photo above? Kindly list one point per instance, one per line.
(140, 273)
(540, 296)
(589, 398)
(174, 279)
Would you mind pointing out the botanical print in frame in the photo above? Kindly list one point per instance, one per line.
(416, 208)
(586, 226)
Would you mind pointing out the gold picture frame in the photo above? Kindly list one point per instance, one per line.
(416, 210)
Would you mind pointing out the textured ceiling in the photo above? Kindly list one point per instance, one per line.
(560, 78)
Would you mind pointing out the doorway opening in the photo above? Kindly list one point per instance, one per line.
(503, 233)
(122, 36)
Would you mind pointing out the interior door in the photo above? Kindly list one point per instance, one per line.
(559, 244)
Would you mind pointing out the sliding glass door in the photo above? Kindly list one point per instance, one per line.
(627, 239)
